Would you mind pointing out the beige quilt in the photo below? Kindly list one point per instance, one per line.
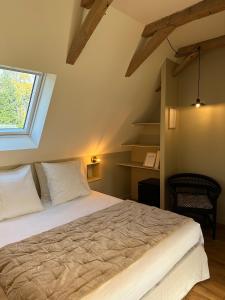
(72, 260)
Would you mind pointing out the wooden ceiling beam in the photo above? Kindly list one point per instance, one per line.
(191, 52)
(159, 30)
(187, 61)
(200, 10)
(205, 46)
(87, 3)
(91, 21)
(146, 48)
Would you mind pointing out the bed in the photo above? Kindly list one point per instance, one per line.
(167, 270)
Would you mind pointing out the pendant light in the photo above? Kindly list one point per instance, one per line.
(198, 102)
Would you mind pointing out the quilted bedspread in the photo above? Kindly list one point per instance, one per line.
(72, 260)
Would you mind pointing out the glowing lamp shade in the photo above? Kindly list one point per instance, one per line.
(198, 103)
(172, 118)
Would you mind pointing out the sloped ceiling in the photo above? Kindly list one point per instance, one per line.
(147, 11)
(93, 104)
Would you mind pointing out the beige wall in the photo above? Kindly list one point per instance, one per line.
(202, 131)
(168, 137)
(93, 103)
(115, 180)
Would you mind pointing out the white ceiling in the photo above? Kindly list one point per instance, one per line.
(146, 11)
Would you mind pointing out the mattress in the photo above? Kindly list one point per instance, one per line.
(133, 282)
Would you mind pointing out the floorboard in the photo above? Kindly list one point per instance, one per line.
(214, 288)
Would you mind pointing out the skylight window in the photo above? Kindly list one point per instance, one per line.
(18, 98)
(24, 100)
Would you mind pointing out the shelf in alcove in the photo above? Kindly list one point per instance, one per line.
(146, 124)
(136, 165)
(93, 179)
(93, 172)
(141, 145)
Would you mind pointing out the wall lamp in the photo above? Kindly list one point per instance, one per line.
(95, 159)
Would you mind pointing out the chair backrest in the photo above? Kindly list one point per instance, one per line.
(195, 183)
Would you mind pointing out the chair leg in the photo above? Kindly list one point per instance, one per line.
(214, 226)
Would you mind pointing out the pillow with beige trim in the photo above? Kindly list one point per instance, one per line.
(63, 181)
(18, 194)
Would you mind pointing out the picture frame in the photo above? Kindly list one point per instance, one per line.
(150, 159)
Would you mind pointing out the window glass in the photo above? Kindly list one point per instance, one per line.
(18, 96)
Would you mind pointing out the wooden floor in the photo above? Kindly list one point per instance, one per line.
(213, 289)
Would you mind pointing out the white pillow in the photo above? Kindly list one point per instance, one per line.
(66, 181)
(18, 194)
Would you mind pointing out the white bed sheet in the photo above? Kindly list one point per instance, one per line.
(134, 281)
(17, 229)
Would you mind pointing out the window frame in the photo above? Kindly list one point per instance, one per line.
(31, 139)
(33, 103)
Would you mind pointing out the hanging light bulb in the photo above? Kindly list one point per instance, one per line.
(198, 102)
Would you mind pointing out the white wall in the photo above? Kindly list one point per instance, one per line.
(93, 103)
(202, 131)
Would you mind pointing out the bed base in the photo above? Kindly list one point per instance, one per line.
(193, 268)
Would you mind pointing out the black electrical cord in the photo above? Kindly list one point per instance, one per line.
(171, 46)
(199, 70)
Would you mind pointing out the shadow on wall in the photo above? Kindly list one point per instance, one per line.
(209, 100)
(152, 112)
(212, 89)
(201, 145)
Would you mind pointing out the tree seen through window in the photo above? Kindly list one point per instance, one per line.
(15, 96)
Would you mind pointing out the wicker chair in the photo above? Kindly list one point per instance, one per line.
(195, 195)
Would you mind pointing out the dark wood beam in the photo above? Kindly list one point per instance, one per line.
(187, 61)
(146, 48)
(200, 10)
(205, 46)
(87, 3)
(94, 16)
